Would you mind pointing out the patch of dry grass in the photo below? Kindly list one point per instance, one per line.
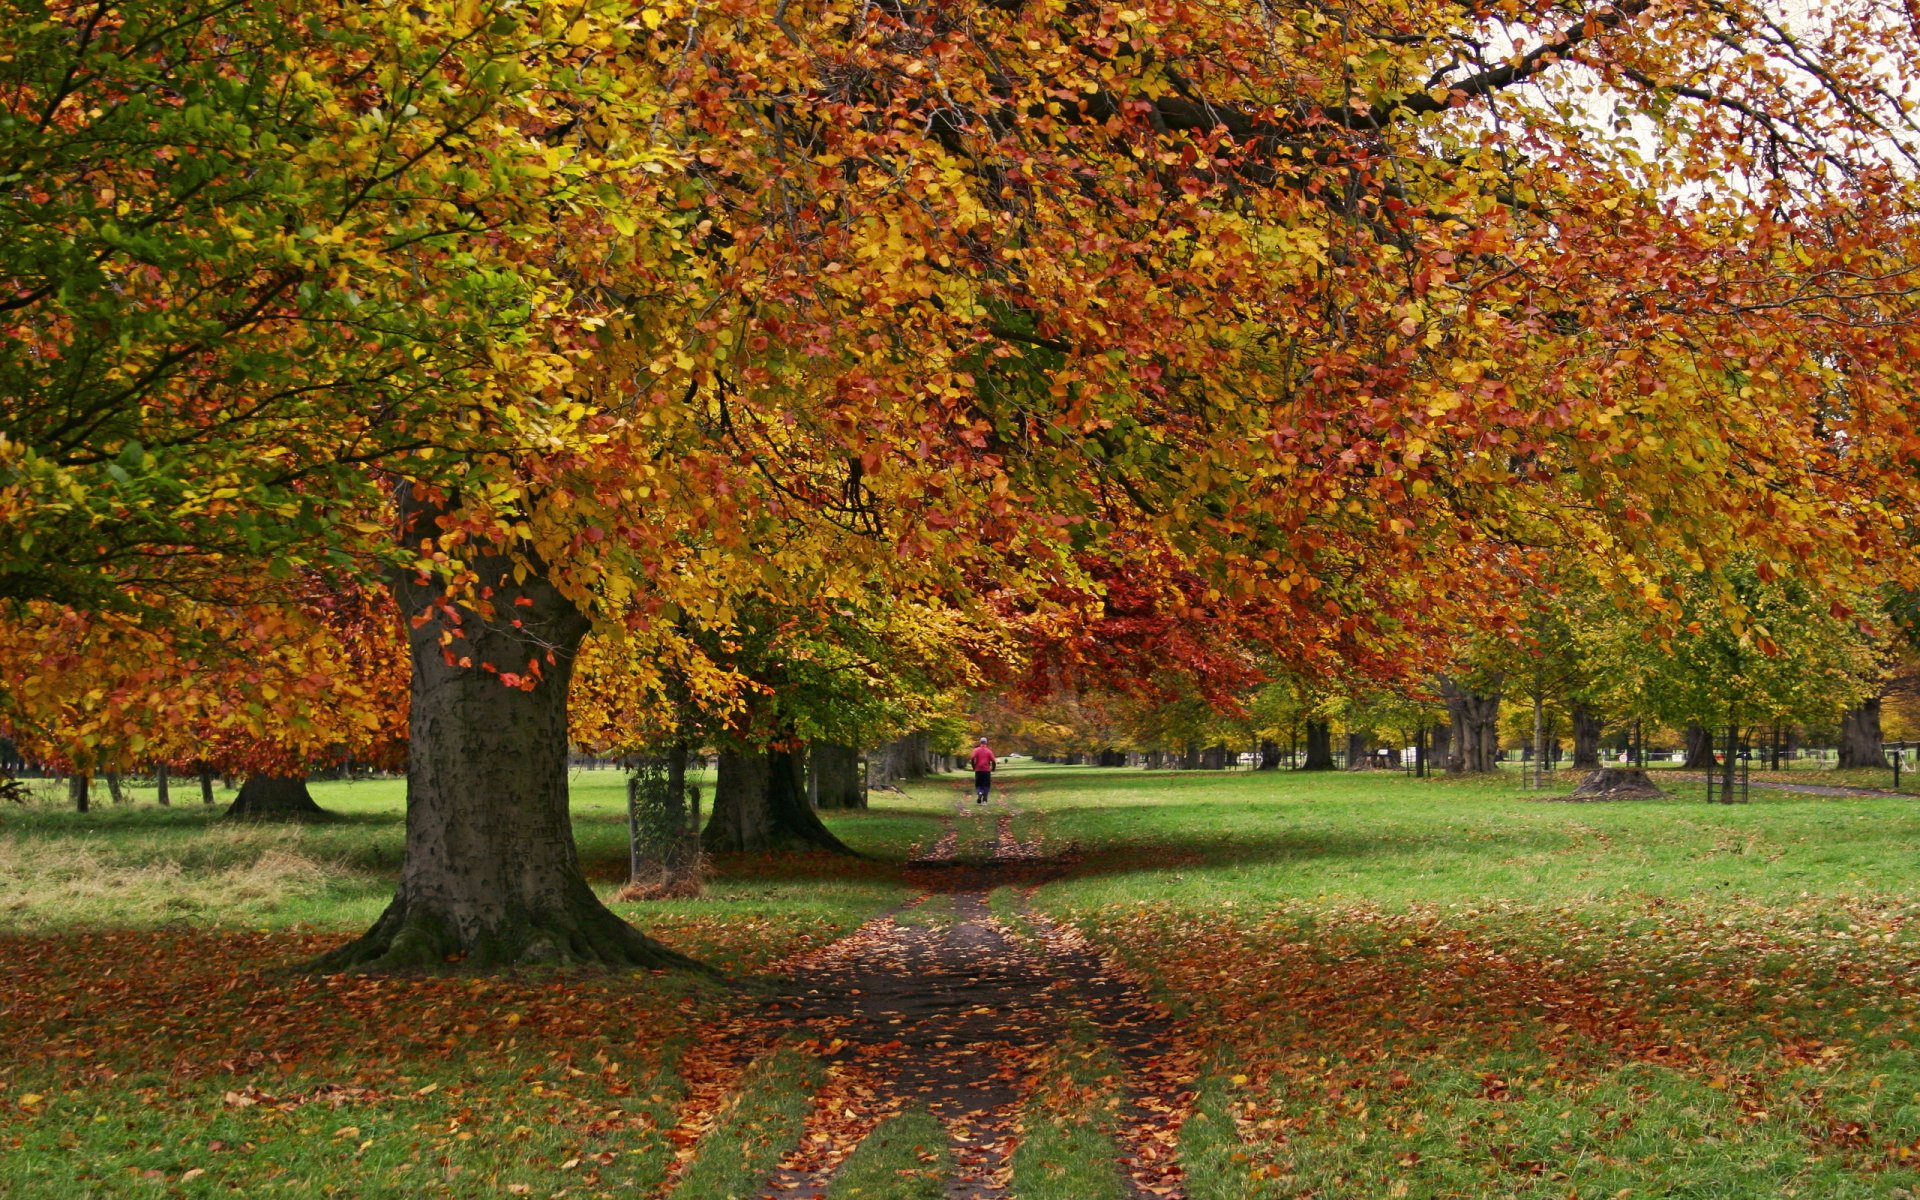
(224, 872)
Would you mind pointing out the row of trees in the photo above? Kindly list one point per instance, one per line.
(467, 381)
(1744, 649)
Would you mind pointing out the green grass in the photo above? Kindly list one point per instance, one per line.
(1206, 839)
(157, 1035)
(905, 1158)
(762, 1122)
(1453, 989)
(1066, 1149)
(140, 866)
(1422, 988)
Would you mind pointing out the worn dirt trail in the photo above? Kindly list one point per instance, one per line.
(946, 1006)
(1698, 779)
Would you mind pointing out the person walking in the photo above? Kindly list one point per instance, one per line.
(983, 764)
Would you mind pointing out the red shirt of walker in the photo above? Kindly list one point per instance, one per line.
(983, 758)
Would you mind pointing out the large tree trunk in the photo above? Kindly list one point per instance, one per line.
(1357, 744)
(1269, 755)
(1190, 758)
(491, 876)
(113, 788)
(883, 765)
(760, 805)
(1586, 737)
(836, 776)
(913, 756)
(1475, 722)
(206, 785)
(1699, 748)
(78, 787)
(1319, 747)
(1860, 743)
(160, 792)
(276, 798)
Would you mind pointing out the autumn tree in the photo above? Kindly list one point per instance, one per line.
(1745, 648)
(1331, 312)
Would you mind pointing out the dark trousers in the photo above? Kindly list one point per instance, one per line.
(982, 783)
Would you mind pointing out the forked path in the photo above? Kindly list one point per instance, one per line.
(956, 1012)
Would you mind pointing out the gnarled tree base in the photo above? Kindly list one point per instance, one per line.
(583, 932)
(759, 807)
(1616, 783)
(276, 798)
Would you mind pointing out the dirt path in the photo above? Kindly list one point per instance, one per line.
(1699, 780)
(945, 1006)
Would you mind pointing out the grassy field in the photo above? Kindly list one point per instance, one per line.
(1400, 988)
(1452, 989)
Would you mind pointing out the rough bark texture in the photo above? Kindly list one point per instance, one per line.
(77, 792)
(161, 794)
(760, 804)
(1439, 745)
(836, 774)
(1617, 783)
(1319, 747)
(276, 798)
(1474, 718)
(491, 876)
(1699, 748)
(1860, 741)
(1269, 756)
(1586, 737)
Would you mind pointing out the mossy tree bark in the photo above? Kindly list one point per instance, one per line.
(491, 876)
(760, 805)
(276, 798)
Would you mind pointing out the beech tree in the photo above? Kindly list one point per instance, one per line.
(1329, 311)
(1744, 651)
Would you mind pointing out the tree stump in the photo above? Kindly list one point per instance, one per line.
(1617, 783)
